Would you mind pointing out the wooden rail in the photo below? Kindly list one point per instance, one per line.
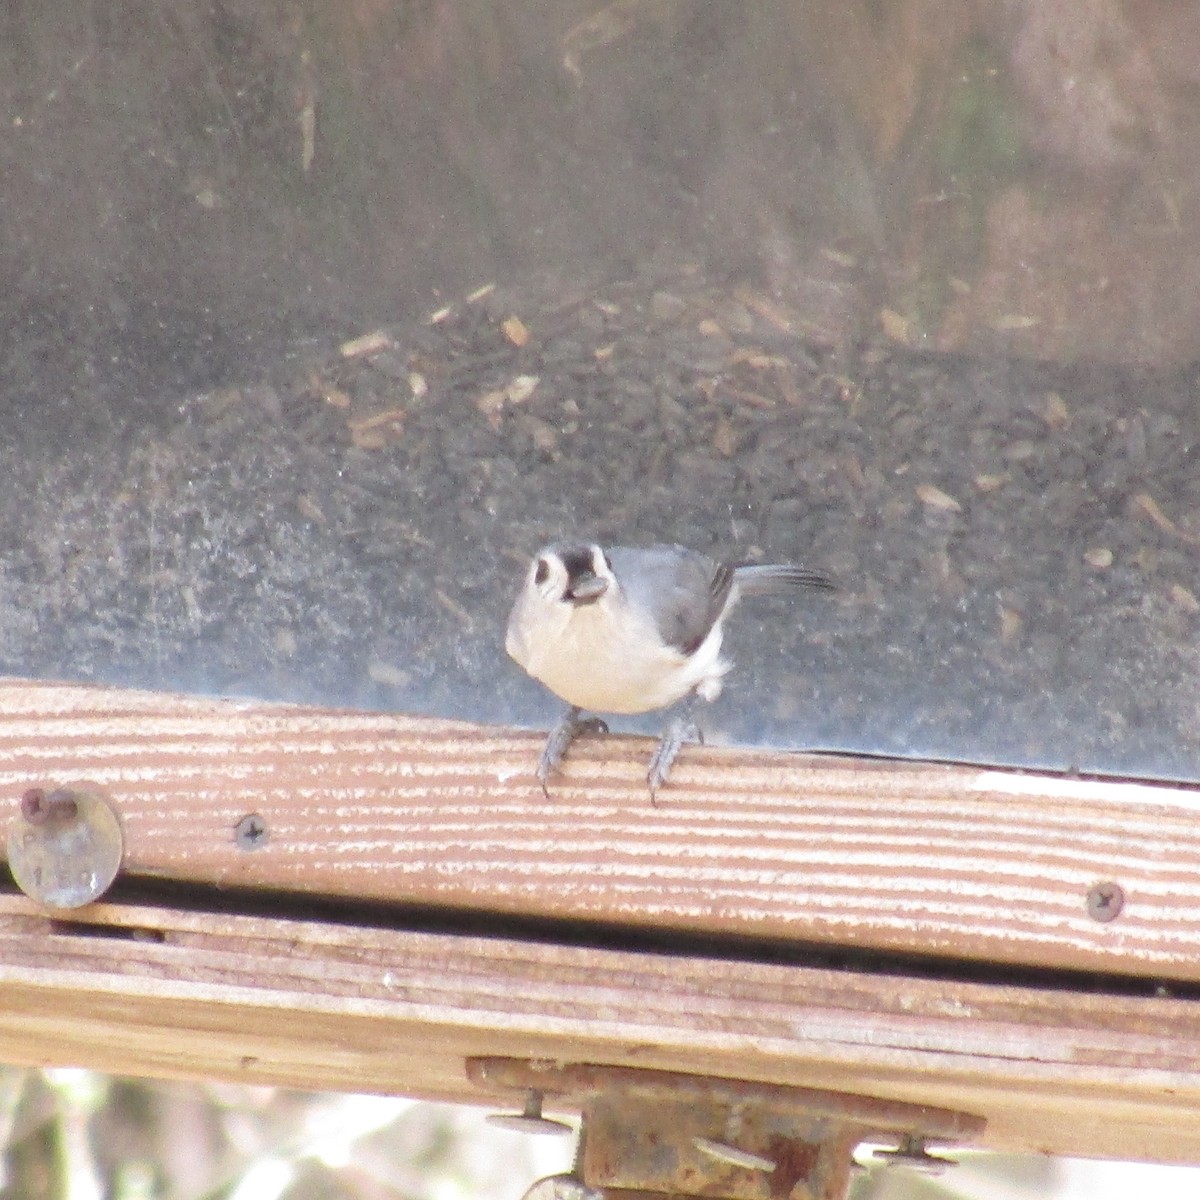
(983, 874)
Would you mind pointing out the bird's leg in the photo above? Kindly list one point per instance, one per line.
(561, 736)
(681, 728)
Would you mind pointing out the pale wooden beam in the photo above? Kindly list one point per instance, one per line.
(310, 1005)
(983, 873)
(957, 862)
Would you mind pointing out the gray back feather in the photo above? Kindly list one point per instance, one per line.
(674, 585)
(686, 592)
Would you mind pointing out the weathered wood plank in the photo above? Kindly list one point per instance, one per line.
(155, 992)
(957, 862)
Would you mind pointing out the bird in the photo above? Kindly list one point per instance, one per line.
(632, 629)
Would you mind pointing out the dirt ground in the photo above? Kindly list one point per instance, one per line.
(639, 271)
(1015, 546)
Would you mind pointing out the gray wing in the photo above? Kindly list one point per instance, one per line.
(682, 590)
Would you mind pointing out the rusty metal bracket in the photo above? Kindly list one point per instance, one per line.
(665, 1134)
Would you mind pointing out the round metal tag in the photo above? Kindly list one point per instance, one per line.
(65, 848)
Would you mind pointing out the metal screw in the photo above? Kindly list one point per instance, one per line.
(1105, 901)
(250, 832)
(912, 1153)
(529, 1119)
(734, 1156)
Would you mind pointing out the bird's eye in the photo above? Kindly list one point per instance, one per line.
(542, 571)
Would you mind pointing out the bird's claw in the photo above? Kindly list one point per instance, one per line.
(680, 730)
(559, 742)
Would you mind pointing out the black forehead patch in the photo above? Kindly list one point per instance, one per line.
(577, 560)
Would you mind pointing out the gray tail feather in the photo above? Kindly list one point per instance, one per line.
(755, 580)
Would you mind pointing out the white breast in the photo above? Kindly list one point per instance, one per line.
(596, 657)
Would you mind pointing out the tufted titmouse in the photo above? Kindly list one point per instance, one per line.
(628, 630)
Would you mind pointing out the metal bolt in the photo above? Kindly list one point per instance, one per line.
(912, 1153)
(529, 1119)
(250, 832)
(1105, 901)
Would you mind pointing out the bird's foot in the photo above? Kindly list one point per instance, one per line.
(682, 728)
(559, 742)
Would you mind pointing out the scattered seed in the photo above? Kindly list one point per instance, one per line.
(838, 257)
(1147, 504)
(514, 329)
(771, 312)
(309, 508)
(480, 292)
(491, 404)
(725, 439)
(991, 483)
(336, 398)
(521, 388)
(752, 399)
(934, 497)
(388, 675)
(1056, 413)
(666, 306)
(368, 343)
(1184, 598)
(389, 416)
(1100, 557)
(1014, 321)
(543, 434)
(1011, 624)
(454, 607)
(368, 439)
(895, 326)
(755, 359)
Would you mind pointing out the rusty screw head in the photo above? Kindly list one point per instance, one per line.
(1105, 901)
(250, 832)
(39, 806)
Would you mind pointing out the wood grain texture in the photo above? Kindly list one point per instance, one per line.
(956, 862)
(154, 992)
